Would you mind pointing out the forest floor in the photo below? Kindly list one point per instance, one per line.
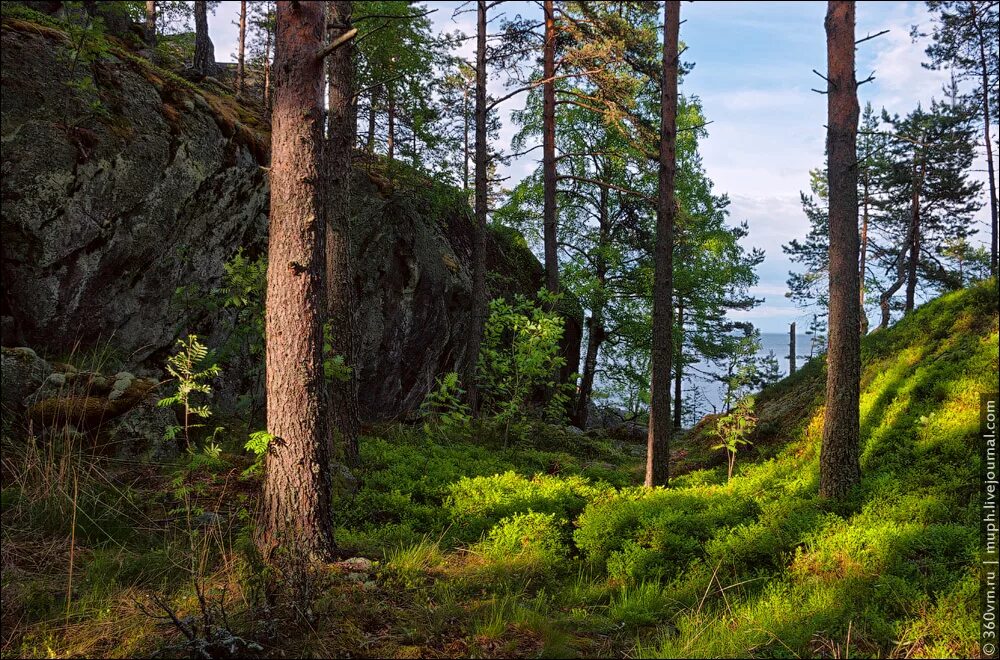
(542, 549)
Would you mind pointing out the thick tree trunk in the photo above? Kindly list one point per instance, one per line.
(297, 491)
(339, 269)
(241, 59)
(839, 467)
(549, 152)
(679, 365)
(479, 224)
(150, 27)
(658, 441)
(204, 51)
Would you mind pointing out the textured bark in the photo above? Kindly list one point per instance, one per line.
(549, 152)
(658, 440)
(839, 468)
(241, 57)
(297, 489)
(345, 423)
(150, 27)
(479, 224)
(204, 51)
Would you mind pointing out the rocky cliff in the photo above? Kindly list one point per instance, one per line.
(122, 183)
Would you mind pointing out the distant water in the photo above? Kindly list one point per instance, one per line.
(706, 396)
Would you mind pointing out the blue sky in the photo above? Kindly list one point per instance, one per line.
(753, 72)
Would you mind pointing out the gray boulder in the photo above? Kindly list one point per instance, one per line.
(23, 373)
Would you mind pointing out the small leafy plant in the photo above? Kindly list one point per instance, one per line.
(444, 410)
(257, 445)
(734, 429)
(192, 369)
(520, 360)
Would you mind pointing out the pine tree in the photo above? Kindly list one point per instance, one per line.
(297, 489)
(929, 197)
(965, 36)
(839, 467)
(204, 51)
(658, 443)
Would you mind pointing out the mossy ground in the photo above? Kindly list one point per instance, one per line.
(548, 549)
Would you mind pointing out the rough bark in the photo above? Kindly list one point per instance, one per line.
(204, 50)
(839, 468)
(658, 440)
(345, 422)
(479, 223)
(241, 57)
(297, 489)
(549, 152)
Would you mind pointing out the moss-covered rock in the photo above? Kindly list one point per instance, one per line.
(125, 185)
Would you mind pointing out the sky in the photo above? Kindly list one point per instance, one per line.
(753, 65)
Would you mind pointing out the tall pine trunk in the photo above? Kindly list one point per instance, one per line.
(549, 152)
(297, 491)
(241, 72)
(839, 468)
(204, 51)
(339, 269)
(479, 223)
(658, 440)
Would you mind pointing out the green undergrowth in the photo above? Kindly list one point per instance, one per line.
(550, 548)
